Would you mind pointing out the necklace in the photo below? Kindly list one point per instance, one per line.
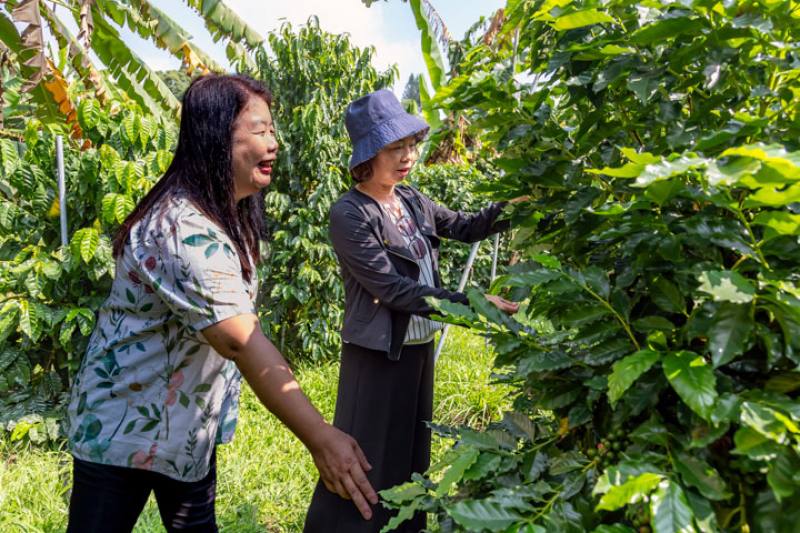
(392, 206)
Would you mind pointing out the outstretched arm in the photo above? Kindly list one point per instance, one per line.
(363, 255)
(338, 457)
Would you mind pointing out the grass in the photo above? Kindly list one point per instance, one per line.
(265, 476)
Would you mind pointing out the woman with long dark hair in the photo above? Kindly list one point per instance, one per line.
(158, 387)
(386, 236)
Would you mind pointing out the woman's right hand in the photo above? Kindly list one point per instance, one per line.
(502, 304)
(341, 465)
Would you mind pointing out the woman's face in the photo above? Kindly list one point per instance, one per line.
(254, 148)
(393, 163)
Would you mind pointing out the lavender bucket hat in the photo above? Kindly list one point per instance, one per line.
(375, 120)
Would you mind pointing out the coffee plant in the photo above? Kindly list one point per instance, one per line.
(655, 356)
(48, 292)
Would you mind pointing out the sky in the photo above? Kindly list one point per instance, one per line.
(388, 26)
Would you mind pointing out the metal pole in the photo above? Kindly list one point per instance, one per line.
(62, 189)
(461, 284)
(494, 257)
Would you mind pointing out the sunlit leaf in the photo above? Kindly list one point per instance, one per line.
(693, 380)
(579, 19)
(627, 370)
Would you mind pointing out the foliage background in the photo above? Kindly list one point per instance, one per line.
(50, 292)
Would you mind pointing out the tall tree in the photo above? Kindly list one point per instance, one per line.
(313, 74)
(411, 91)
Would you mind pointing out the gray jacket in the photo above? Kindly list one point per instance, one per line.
(380, 273)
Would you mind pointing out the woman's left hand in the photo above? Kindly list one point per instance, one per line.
(504, 305)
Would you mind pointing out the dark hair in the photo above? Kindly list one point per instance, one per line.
(363, 171)
(202, 166)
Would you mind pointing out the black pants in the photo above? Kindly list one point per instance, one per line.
(109, 499)
(384, 405)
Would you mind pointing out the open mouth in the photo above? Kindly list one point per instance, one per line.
(265, 166)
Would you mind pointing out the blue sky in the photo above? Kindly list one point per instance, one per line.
(389, 26)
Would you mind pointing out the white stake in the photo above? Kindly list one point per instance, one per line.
(62, 189)
(461, 284)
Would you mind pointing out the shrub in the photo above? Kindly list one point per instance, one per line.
(50, 292)
(655, 358)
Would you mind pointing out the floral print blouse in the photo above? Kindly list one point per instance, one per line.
(151, 393)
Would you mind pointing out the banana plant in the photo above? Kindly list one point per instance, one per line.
(448, 141)
(100, 22)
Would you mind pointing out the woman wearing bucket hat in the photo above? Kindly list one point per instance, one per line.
(386, 237)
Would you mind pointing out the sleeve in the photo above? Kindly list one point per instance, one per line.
(466, 227)
(195, 271)
(361, 253)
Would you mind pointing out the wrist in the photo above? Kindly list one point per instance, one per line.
(316, 436)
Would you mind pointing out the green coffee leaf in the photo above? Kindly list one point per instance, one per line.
(465, 459)
(783, 474)
(403, 493)
(693, 380)
(730, 329)
(704, 516)
(667, 296)
(109, 157)
(667, 169)
(486, 465)
(626, 371)
(726, 286)
(778, 222)
(767, 421)
(88, 113)
(579, 19)
(632, 491)
(453, 312)
(700, 475)
(772, 196)
(664, 29)
(84, 243)
(776, 156)
(756, 446)
(116, 207)
(669, 509)
(476, 515)
(405, 513)
(30, 319)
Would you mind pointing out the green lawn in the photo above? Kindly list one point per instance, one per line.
(265, 475)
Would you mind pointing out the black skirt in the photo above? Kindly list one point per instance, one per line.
(384, 405)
